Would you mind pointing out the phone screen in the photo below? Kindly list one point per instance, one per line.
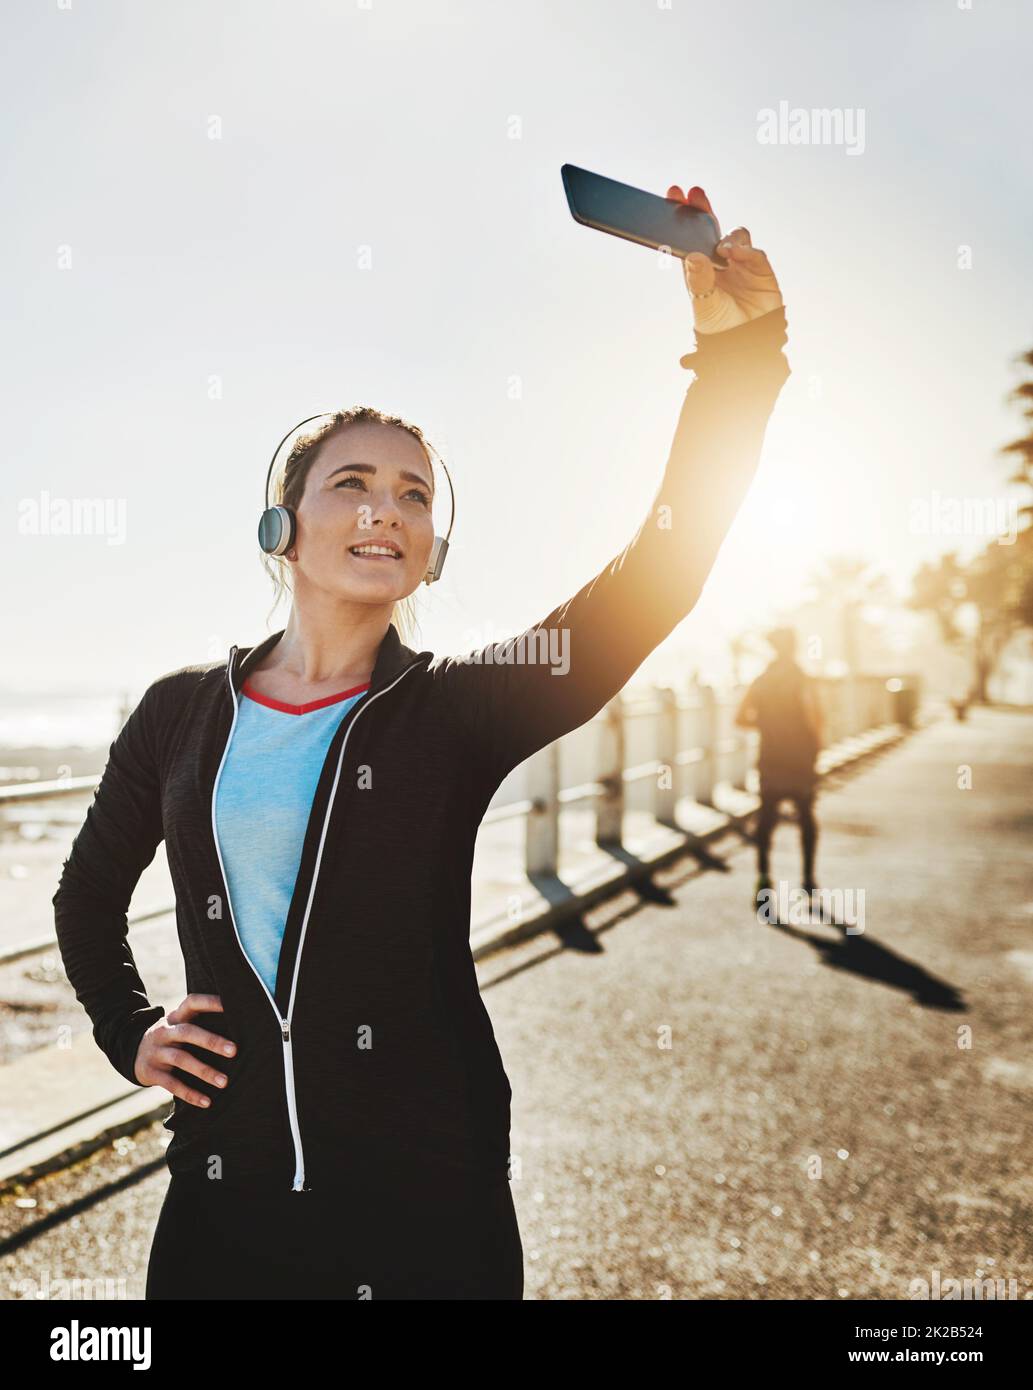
(635, 215)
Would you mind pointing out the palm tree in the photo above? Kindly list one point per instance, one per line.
(1021, 449)
(848, 583)
(940, 587)
(1020, 452)
(998, 582)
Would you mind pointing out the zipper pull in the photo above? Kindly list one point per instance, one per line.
(285, 1028)
(229, 671)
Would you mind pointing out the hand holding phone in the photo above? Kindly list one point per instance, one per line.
(730, 281)
(747, 289)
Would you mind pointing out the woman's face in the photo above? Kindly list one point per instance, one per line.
(371, 484)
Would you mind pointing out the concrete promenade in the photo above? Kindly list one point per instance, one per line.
(833, 1118)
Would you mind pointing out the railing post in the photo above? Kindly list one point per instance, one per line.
(542, 843)
(836, 711)
(706, 769)
(666, 797)
(860, 704)
(609, 807)
(740, 759)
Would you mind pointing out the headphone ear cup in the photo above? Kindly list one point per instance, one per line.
(437, 560)
(276, 530)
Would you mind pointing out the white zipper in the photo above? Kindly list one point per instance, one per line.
(285, 1023)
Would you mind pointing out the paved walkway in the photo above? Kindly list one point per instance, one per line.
(835, 1117)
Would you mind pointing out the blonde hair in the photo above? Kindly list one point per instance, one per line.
(289, 486)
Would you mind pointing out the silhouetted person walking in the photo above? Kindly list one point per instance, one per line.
(782, 704)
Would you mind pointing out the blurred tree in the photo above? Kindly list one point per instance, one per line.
(994, 591)
(940, 588)
(994, 583)
(847, 584)
(1020, 451)
(977, 604)
(1015, 571)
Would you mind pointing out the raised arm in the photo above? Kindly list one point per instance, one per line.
(117, 840)
(516, 697)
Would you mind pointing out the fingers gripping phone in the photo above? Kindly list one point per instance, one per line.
(638, 216)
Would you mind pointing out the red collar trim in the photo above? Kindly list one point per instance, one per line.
(248, 689)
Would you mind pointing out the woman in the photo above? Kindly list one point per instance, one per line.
(341, 1113)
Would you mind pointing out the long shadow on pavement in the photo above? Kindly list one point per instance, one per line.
(860, 955)
(574, 934)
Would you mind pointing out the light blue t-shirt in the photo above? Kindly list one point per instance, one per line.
(262, 808)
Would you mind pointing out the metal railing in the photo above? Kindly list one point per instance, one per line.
(693, 747)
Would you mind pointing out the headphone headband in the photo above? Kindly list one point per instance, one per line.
(269, 475)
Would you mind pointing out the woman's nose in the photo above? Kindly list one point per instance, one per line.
(385, 509)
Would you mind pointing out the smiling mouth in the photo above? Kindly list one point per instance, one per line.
(374, 552)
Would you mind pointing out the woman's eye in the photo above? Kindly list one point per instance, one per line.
(413, 492)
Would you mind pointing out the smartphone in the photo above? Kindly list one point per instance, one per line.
(636, 215)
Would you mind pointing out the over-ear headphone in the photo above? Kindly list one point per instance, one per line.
(278, 527)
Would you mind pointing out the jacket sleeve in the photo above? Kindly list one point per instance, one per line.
(116, 842)
(517, 696)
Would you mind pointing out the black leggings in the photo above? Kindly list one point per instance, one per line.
(767, 819)
(450, 1241)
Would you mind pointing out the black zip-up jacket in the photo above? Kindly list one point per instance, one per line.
(376, 1054)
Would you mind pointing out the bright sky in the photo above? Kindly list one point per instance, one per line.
(391, 127)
